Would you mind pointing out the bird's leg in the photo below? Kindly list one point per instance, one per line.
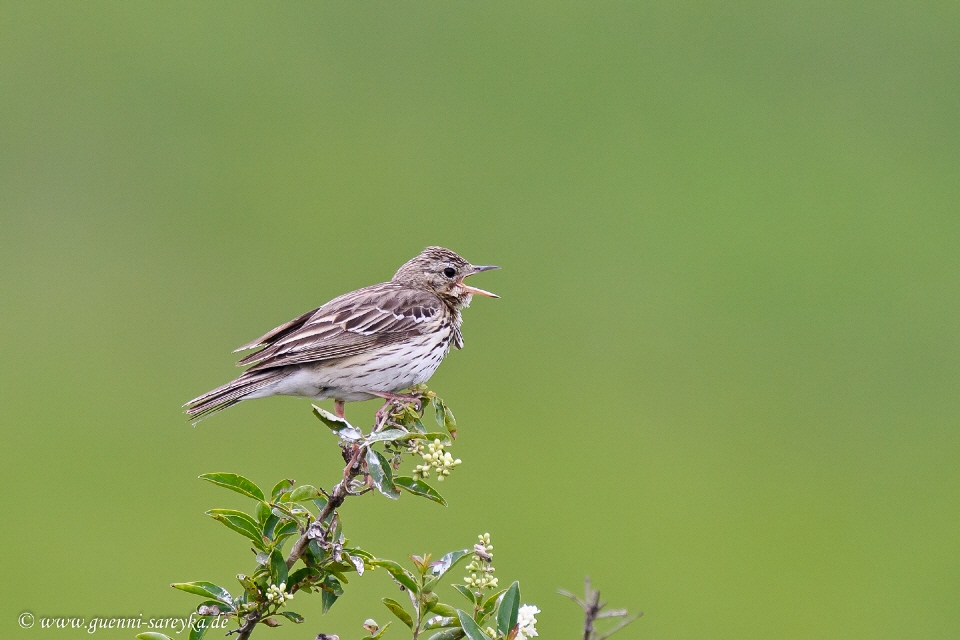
(338, 408)
(382, 412)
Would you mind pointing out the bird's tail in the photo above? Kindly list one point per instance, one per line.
(231, 393)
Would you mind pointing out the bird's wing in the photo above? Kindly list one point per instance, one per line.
(352, 324)
(279, 332)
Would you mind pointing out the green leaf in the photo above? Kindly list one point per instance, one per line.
(278, 568)
(285, 530)
(490, 604)
(270, 525)
(430, 437)
(419, 488)
(444, 610)
(207, 590)
(305, 492)
(235, 483)
(442, 622)
(292, 617)
(337, 424)
(438, 410)
(300, 574)
(465, 592)
(241, 523)
(397, 609)
(387, 434)
(380, 631)
(327, 599)
(470, 627)
(381, 474)
(445, 417)
(263, 513)
(152, 635)
(357, 551)
(199, 628)
(281, 487)
(331, 585)
(449, 422)
(450, 634)
(401, 575)
(509, 606)
(449, 561)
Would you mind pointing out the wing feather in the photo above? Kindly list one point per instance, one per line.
(355, 323)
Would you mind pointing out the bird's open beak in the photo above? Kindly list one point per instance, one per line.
(474, 290)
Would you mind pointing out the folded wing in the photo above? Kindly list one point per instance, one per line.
(355, 323)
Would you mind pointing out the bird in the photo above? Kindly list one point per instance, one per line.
(370, 343)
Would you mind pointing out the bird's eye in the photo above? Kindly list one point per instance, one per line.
(449, 272)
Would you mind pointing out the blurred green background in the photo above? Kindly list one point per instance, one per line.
(722, 379)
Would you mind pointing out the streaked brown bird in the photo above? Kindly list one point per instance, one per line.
(369, 343)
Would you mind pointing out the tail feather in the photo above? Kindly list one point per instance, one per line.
(230, 393)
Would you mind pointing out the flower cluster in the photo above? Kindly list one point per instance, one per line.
(278, 595)
(481, 567)
(527, 622)
(434, 457)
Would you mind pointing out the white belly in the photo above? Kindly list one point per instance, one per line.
(390, 369)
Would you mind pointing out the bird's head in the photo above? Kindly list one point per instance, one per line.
(441, 271)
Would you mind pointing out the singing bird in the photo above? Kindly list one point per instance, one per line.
(370, 343)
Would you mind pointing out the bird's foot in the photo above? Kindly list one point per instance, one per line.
(338, 408)
(397, 399)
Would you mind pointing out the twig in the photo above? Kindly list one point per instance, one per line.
(315, 530)
(593, 611)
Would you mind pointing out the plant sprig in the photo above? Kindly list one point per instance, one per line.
(321, 557)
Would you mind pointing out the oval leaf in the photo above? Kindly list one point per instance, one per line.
(399, 574)
(235, 483)
(397, 609)
(381, 474)
(152, 635)
(450, 634)
(442, 622)
(509, 606)
(327, 600)
(278, 568)
(207, 590)
(338, 425)
(305, 492)
(430, 437)
(465, 592)
(470, 627)
(380, 631)
(449, 421)
(199, 628)
(491, 603)
(448, 561)
(443, 610)
(292, 617)
(419, 488)
(387, 434)
(281, 488)
(285, 530)
(241, 523)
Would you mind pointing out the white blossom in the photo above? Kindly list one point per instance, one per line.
(527, 622)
